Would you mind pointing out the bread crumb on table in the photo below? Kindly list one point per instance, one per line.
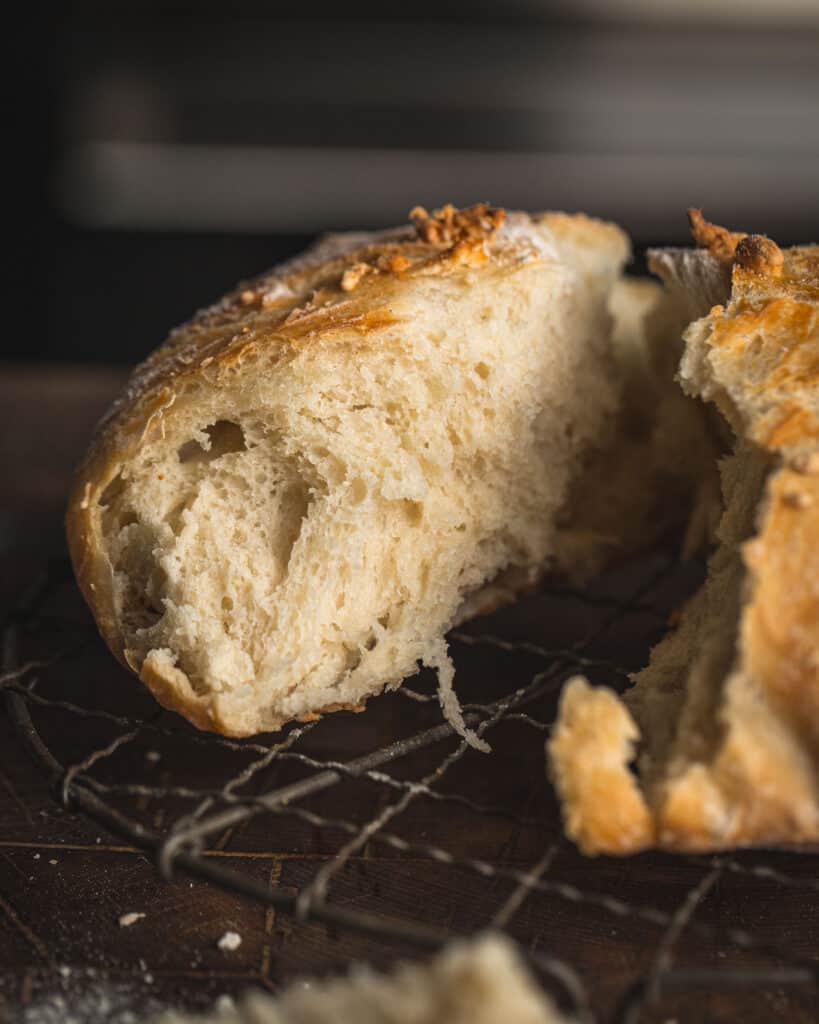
(229, 942)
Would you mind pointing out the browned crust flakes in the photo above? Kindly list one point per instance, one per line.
(757, 781)
(720, 242)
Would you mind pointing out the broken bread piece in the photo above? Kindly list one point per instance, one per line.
(726, 715)
(482, 981)
(298, 491)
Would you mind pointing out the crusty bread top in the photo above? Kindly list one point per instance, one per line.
(344, 283)
(763, 351)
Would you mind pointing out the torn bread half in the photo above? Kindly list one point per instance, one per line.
(482, 981)
(726, 715)
(305, 486)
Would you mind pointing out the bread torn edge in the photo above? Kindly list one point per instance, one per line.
(736, 761)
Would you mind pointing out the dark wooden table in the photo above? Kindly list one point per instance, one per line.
(65, 881)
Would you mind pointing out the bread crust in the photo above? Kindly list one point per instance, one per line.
(757, 358)
(343, 286)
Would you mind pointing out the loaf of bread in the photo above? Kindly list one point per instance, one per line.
(727, 711)
(479, 982)
(305, 486)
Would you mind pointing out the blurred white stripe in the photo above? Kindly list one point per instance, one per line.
(291, 189)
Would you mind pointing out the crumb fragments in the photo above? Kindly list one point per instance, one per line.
(126, 920)
(448, 225)
(229, 942)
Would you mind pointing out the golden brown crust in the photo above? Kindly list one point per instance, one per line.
(720, 242)
(176, 694)
(759, 783)
(593, 740)
(770, 390)
(759, 254)
(781, 623)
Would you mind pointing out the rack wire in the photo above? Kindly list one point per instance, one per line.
(398, 779)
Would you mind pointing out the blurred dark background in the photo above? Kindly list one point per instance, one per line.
(181, 147)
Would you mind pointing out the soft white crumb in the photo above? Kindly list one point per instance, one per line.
(36, 856)
(52, 862)
(131, 918)
(229, 942)
(65, 971)
(153, 756)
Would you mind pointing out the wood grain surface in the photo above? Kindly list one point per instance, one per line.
(65, 882)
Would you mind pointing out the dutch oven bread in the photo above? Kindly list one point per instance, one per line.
(305, 486)
(727, 711)
(479, 982)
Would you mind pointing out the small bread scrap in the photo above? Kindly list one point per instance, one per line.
(726, 715)
(480, 982)
(309, 483)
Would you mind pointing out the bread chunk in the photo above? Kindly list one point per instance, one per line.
(305, 486)
(726, 715)
(480, 982)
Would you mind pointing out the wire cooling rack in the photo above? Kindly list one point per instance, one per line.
(464, 840)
